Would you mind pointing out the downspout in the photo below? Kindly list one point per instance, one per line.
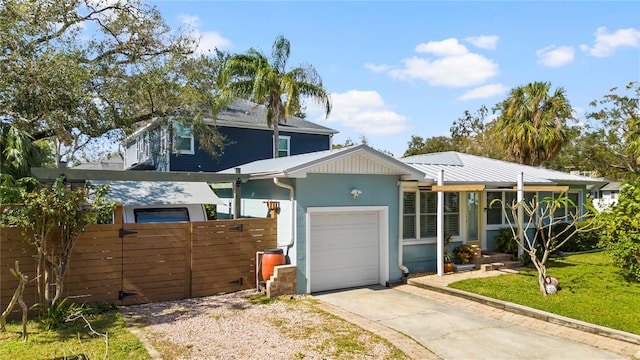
(293, 212)
(404, 269)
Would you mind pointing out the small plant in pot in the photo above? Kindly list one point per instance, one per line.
(464, 253)
(448, 263)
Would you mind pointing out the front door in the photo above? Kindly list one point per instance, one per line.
(473, 219)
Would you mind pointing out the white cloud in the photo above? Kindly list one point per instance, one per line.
(362, 111)
(454, 71)
(451, 64)
(448, 47)
(484, 92)
(211, 40)
(208, 40)
(606, 43)
(377, 68)
(489, 42)
(553, 56)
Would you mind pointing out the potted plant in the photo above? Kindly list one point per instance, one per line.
(464, 253)
(448, 263)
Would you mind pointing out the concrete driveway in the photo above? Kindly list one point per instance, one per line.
(454, 333)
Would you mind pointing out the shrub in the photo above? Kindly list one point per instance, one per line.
(464, 253)
(622, 230)
(581, 241)
(505, 242)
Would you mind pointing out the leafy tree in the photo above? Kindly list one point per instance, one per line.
(268, 82)
(72, 71)
(622, 230)
(532, 123)
(617, 129)
(549, 232)
(418, 145)
(475, 134)
(55, 216)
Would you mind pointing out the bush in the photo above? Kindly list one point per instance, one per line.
(505, 242)
(621, 233)
(582, 241)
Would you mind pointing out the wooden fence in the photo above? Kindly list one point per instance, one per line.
(139, 263)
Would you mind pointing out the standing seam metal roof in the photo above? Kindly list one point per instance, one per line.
(465, 168)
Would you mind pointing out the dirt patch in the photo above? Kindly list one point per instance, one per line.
(238, 326)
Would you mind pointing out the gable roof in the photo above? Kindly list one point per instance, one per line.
(359, 159)
(245, 114)
(460, 168)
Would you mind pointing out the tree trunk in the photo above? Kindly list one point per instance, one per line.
(17, 298)
(542, 271)
(276, 139)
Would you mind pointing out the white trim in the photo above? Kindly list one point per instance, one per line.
(284, 137)
(383, 237)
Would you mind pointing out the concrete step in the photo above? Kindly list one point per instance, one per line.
(488, 258)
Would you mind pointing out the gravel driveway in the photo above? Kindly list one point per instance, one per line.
(232, 326)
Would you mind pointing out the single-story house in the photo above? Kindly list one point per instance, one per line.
(355, 216)
(606, 196)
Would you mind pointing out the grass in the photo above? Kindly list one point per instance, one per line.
(591, 290)
(72, 342)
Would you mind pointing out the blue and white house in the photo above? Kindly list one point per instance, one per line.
(355, 216)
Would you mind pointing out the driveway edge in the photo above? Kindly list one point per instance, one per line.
(406, 344)
(534, 313)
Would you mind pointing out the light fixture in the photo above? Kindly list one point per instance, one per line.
(355, 193)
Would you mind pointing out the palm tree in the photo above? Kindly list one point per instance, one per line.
(19, 152)
(532, 123)
(254, 77)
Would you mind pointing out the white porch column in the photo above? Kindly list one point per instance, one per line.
(440, 226)
(520, 211)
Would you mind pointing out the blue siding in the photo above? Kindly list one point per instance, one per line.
(324, 190)
(244, 146)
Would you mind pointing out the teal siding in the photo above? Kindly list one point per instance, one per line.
(324, 190)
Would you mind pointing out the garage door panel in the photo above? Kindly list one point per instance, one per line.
(344, 249)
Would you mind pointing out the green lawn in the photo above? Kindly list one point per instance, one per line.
(73, 342)
(591, 290)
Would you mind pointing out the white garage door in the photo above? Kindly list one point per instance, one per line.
(344, 249)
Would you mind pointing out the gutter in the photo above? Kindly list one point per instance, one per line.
(289, 245)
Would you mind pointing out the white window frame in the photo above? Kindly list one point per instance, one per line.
(142, 148)
(288, 150)
(417, 216)
(503, 197)
(191, 149)
(578, 204)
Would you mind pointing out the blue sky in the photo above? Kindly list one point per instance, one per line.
(397, 69)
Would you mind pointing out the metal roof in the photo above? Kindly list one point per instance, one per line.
(359, 159)
(136, 193)
(466, 169)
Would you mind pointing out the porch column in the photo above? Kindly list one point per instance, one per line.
(440, 226)
(520, 198)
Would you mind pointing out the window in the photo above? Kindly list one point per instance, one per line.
(283, 146)
(161, 215)
(427, 214)
(495, 214)
(409, 215)
(143, 147)
(572, 209)
(182, 140)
